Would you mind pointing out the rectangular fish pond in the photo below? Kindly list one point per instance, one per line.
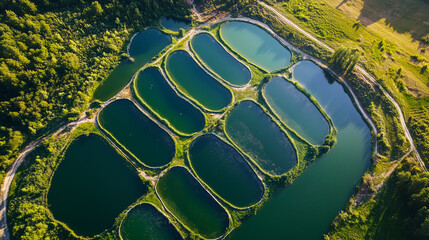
(175, 24)
(144, 221)
(143, 138)
(144, 46)
(256, 134)
(192, 80)
(92, 185)
(219, 60)
(191, 204)
(296, 110)
(225, 171)
(256, 45)
(153, 89)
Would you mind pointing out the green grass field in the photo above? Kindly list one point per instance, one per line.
(390, 35)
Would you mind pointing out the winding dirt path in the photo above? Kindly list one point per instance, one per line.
(368, 77)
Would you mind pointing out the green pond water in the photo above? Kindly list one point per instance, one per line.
(148, 142)
(193, 80)
(261, 138)
(296, 110)
(92, 186)
(219, 60)
(256, 45)
(222, 168)
(143, 48)
(145, 222)
(154, 90)
(183, 196)
(174, 24)
(306, 209)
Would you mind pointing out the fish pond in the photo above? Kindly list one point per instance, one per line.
(92, 185)
(219, 60)
(306, 209)
(152, 88)
(144, 221)
(296, 110)
(174, 24)
(197, 83)
(225, 171)
(132, 129)
(262, 139)
(256, 45)
(144, 46)
(184, 196)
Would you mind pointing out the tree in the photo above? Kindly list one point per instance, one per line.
(96, 8)
(69, 62)
(344, 59)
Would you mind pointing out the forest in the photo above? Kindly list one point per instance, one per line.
(53, 54)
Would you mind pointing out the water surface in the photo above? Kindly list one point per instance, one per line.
(261, 138)
(92, 186)
(225, 171)
(153, 89)
(193, 80)
(148, 142)
(145, 222)
(256, 45)
(174, 24)
(143, 48)
(219, 60)
(296, 110)
(183, 196)
(306, 209)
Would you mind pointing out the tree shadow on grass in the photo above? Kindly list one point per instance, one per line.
(404, 16)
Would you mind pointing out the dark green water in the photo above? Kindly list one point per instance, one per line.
(296, 110)
(306, 209)
(92, 186)
(193, 80)
(143, 48)
(262, 139)
(183, 196)
(221, 167)
(153, 88)
(137, 133)
(219, 60)
(256, 45)
(145, 222)
(174, 24)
